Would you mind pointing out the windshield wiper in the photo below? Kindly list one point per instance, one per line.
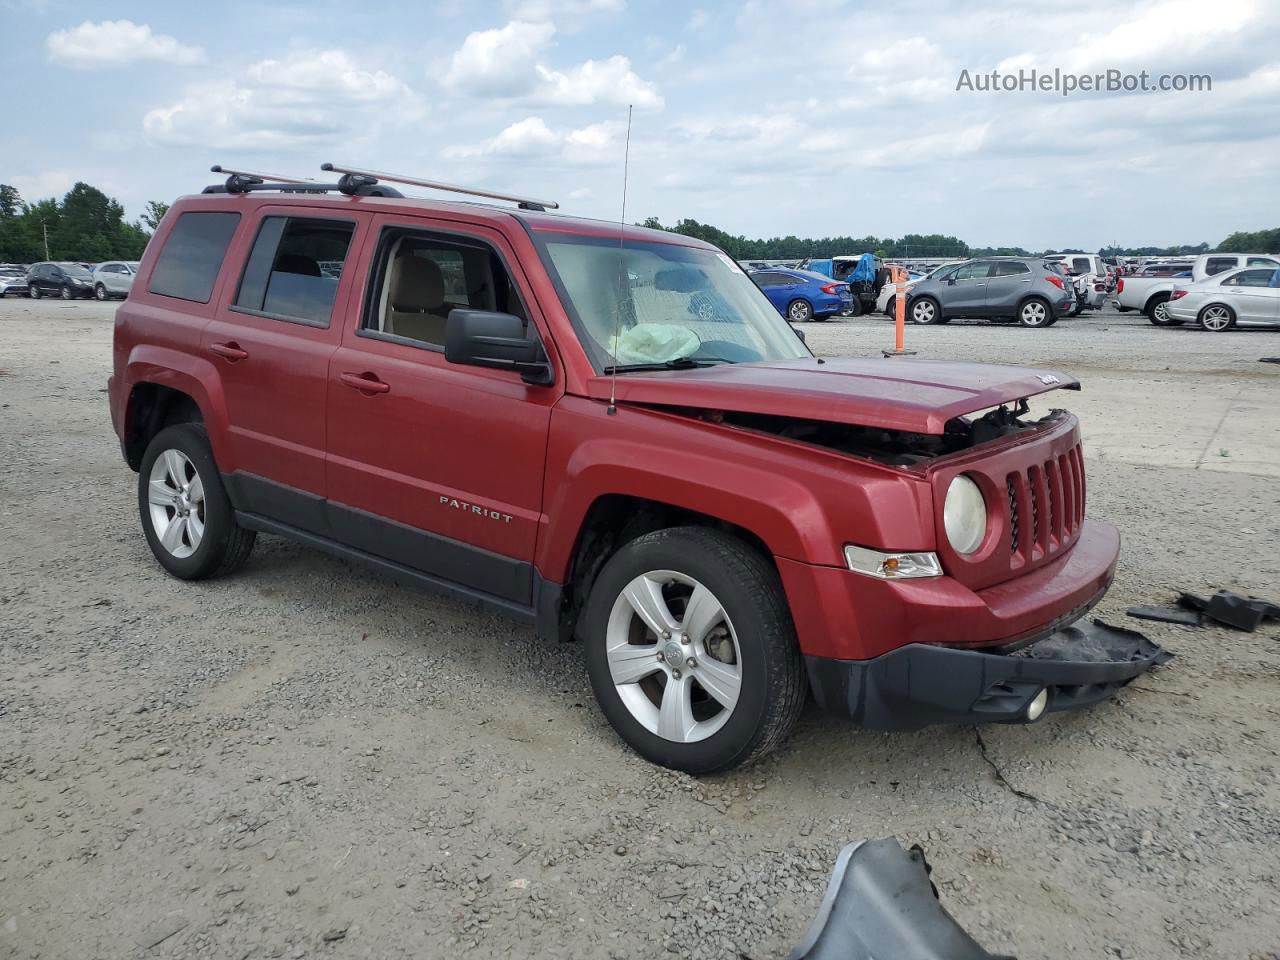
(679, 363)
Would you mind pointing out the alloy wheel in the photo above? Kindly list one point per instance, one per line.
(1216, 318)
(175, 495)
(923, 312)
(66, 293)
(1034, 314)
(100, 292)
(673, 656)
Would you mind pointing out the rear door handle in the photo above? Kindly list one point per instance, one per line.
(365, 382)
(230, 351)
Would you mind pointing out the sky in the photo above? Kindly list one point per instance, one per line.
(807, 117)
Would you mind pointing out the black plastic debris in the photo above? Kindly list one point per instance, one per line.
(1269, 359)
(1231, 609)
(881, 905)
(1190, 618)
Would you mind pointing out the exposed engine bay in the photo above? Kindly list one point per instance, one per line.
(898, 447)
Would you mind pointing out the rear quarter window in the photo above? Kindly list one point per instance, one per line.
(188, 266)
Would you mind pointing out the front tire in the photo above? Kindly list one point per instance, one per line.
(67, 293)
(691, 650)
(186, 516)
(855, 308)
(34, 292)
(1216, 318)
(100, 292)
(799, 311)
(925, 311)
(1036, 313)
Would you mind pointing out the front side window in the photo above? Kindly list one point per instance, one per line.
(1219, 265)
(188, 266)
(294, 268)
(1262, 262)
(972, 271)
(420, 277)
(656, 303)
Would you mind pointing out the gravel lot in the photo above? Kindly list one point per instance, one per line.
(305, 760)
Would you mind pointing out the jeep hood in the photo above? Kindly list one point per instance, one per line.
(919, 396)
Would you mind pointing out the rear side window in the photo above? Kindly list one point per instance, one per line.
(1081, 265)
(294, 268)
(1007, 268)
(192, 256)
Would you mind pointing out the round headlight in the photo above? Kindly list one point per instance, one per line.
(964, 514)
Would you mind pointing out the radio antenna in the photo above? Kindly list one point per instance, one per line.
(622, 271)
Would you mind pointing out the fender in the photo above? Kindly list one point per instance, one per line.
(804, 503)
(192, 375)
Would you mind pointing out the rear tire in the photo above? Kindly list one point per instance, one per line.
(1036, 313)
(799, 311)
(1216, 318)
(186, 516)
(1157, 311)
(741, 642)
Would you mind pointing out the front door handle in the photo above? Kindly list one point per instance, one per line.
(365, 382)
(230, 351)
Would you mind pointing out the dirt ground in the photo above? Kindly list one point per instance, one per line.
(305, 760)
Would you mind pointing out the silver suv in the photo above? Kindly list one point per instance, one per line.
(1028, 290)
(114, 278)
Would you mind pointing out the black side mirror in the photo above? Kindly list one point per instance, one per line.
(484, 338)
(951, 281)
(799, 333)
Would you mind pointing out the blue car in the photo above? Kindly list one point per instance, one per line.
(802, 295)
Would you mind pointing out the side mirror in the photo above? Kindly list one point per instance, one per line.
(951, 281)
(799, 333)
(484, 338)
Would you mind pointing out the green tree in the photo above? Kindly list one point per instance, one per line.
(156, 209)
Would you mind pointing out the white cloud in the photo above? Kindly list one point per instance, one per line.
(566, 9)
(116, 43)
(499, 63)
(305, 98)
(49, 183)
(507, 64)
(532, 138)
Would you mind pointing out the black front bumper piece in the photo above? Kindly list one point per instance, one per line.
(918, 685)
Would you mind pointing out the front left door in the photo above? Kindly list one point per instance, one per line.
(435, 466)
(965, 293)
(270, 340)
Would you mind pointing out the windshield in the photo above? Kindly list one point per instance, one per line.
(664, 302)
(74, 270)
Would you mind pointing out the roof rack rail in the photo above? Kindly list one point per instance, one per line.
(367, 176)
(247, 181)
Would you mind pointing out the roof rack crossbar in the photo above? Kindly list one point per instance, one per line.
(260, 177)
(525, 203)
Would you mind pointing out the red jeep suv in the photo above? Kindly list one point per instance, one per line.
(611, 433)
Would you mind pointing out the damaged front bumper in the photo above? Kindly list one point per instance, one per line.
(919, 684)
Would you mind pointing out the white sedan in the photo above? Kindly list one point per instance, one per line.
(1249, 297)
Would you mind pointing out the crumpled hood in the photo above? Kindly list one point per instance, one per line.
(890, 393)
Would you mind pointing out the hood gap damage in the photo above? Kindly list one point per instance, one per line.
(896, 448)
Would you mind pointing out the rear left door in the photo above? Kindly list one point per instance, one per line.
(1007, 283)
(270, 340)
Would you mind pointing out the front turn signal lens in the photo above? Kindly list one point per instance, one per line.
(892, 566)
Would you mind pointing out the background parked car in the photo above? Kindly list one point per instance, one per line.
(1028, 290)
(803, 295)
(66, 280)
(13, 280)
(1248, 297)
(886, 303)
(114, 278)
(1151, 294)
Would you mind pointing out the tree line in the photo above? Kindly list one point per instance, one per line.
(932, 245)
(85, 225)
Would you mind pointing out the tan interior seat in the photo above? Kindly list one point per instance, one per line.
(416, 307)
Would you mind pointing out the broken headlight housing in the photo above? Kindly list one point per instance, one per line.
(964, 515)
